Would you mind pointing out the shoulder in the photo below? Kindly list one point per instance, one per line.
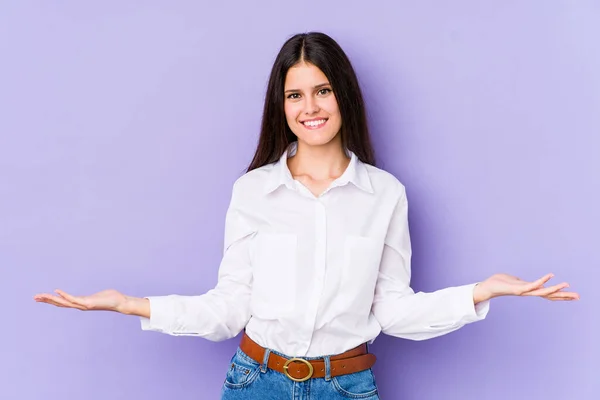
(253, 182)
(384, 182)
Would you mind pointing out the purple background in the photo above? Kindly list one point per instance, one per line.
(123, 127)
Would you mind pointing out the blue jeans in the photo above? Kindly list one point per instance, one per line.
(248, 379)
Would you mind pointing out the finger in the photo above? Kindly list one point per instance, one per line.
(45, 297)
(57, 301)
(40, 296)
(562, 296)
(48, 301)
(558, 299)
(553, 299)
(70, 298)
(539, 283)
(547, 291)
(54, 303)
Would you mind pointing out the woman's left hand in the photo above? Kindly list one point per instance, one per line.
(507, 285)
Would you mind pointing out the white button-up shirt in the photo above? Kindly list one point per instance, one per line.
(312, 276)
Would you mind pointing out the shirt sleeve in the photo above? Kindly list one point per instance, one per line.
(417, 316)
(222, 312)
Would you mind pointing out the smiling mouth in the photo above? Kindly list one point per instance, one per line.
(315, 124)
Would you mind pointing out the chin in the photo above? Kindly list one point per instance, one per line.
(316, 139)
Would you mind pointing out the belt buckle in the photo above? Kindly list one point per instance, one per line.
(286, 367)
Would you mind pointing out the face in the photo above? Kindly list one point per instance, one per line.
(311, 109)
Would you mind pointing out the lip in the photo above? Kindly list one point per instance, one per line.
(311, 128)
(314, 119)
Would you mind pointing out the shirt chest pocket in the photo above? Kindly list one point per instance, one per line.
(274, 275)
(362, 256)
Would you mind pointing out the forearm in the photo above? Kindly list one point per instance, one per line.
(419, 316)
(135, 306)
(214, 316)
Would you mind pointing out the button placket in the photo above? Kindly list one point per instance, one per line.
(320, 258)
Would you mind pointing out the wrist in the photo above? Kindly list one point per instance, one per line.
(480, 294)
(135, 306)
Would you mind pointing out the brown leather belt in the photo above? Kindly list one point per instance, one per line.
(299, 369)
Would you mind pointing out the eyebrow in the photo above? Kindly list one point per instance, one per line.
(316, 87)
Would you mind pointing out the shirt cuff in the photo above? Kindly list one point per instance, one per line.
(475, 312)
(160, 312)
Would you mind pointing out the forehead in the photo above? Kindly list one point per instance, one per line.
(304, 75)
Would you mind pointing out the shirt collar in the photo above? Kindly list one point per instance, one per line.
(356, 173)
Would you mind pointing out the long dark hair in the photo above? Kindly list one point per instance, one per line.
(323, 52)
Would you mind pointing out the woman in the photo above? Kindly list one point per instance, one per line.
(317, 250)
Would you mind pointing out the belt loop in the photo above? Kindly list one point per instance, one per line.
(265, 363)
(327, 368)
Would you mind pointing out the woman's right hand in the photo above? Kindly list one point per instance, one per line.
(108, 300)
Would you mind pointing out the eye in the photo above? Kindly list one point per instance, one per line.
(294, 96)
(324, 91)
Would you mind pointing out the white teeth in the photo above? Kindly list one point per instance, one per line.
(315, 123)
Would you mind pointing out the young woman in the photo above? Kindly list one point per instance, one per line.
(317, 250)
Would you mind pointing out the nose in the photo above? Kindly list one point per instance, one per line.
(311, 106)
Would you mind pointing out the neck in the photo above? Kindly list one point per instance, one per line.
(324, 162)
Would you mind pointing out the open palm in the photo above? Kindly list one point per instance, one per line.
(508, 285)
(108, 300)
